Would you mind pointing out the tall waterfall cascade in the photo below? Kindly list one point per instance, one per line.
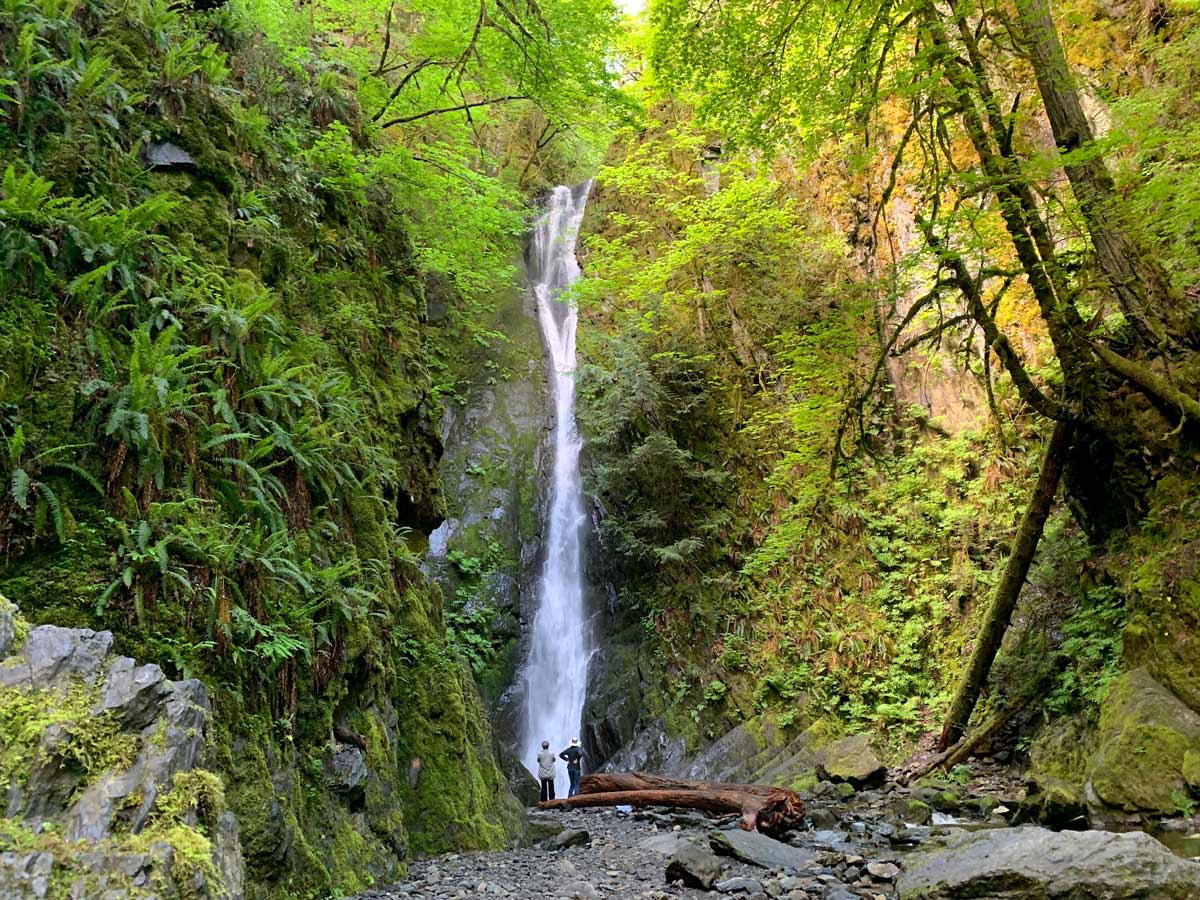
(555, 676)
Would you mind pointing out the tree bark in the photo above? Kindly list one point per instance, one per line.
(1008, 591)
(608, 782)
(1139, 284)
(775, 812)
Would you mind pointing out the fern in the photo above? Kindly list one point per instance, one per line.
(20, 488)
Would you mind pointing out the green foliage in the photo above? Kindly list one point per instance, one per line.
(1156, 133)
(219, 398)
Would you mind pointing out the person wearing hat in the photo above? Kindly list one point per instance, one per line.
(545, 759)
(573, 755)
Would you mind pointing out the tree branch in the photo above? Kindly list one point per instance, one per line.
(460, 107)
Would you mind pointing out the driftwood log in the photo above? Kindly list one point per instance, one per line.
(771, 810)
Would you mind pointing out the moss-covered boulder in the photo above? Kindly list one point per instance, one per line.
(1146, 734)
(1059, 761)
(853, 761)
(1191, 769)
(1162, 591)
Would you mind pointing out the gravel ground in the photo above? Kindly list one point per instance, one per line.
(626, 856)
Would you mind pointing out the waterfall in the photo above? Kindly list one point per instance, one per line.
(555, 675)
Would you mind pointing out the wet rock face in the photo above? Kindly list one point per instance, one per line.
(1029, 863)
(108, 742)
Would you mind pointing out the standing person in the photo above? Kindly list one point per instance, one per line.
(546, 771)
(573, 755)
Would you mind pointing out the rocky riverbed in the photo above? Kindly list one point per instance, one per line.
(612, 853)
(874, 844)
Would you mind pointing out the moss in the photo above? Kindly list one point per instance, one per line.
(19, 624)
(87, 742)
(1191, 769)
(805, 781)
(1145, 736)
(917, 811)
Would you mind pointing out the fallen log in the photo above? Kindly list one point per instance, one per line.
(772, 812)
(608, 782)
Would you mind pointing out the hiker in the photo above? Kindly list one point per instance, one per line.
(573, 755)
(546, 771)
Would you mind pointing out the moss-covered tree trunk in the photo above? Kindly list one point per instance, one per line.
(1008, 591)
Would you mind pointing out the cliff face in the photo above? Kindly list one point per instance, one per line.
(487, 553)
(219, 434)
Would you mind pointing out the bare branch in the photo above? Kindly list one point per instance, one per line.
(459, 108)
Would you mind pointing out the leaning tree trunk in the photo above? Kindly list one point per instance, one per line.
(1139, 284)
(1008, 591)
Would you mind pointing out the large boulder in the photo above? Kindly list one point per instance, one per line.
(851, 760)
(1031, 863)
(760, 850)
(1146, 733)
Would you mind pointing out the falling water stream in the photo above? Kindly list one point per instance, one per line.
(555, 675)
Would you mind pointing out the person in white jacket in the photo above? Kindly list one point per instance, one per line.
(546, 760)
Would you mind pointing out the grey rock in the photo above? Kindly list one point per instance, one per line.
(168, 155)
(55, 654)
(575, 837)
(543, 826)
(666, 843)
(738, 885)
(227, 856)
(347, 768)
(15, 672)
(133, 693)
(25, 875)
(172, 744)
(8, 626)
(694, 866)
(884, 871)
(760, 850)
(1032, 863)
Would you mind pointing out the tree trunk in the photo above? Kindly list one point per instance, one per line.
(1139, 284)
(1008, 591)
(609, 782)
(775, 812)
(964, 748)
(1034, 245)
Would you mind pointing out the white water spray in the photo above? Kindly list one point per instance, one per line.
(556, 674)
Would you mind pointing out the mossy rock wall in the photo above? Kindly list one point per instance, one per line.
(485, 554)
